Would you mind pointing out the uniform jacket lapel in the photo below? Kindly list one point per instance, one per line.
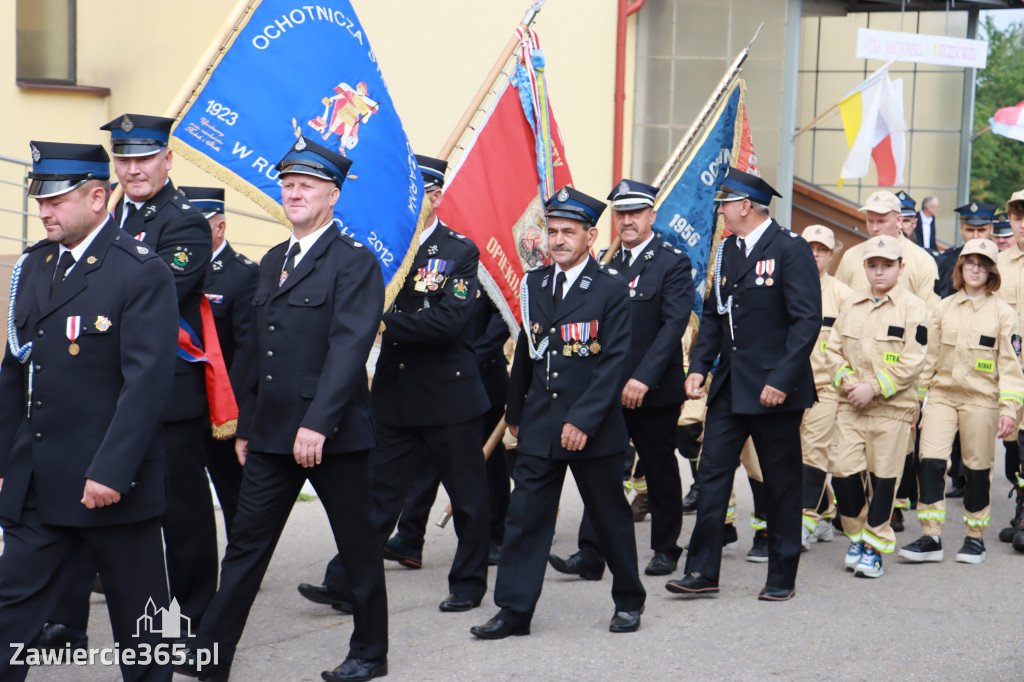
(759, 249)
(642, 260)
(305, 265)
(77, 279)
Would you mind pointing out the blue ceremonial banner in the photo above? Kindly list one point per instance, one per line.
(298, 68)
(687, 217)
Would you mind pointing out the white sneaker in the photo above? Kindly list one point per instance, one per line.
(853, 555)
(824, 532)
(806, 538)
(870, 564)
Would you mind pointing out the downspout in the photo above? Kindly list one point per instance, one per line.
(626, 9)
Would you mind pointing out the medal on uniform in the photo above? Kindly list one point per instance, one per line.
(770, 270)
(74, 328)
(760, 270)
(580, 338)
(102, 323)
(632, 286)
(430, 277)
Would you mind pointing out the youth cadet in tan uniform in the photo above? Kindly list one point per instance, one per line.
(875, 351)
(973, 378)
(817, 431)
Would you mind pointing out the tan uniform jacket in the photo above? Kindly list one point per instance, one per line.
(882, 343)
(1011, 271)
(833, 295)
(918, 277)
(973, 356)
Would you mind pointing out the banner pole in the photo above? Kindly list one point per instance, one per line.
(696, 128)
(507, 53)
(213, 53)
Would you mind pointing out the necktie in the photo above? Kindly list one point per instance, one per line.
(627, 256)
(289, 262)
(559, 285)
(743, 247)
(65, 262)
(130, 210)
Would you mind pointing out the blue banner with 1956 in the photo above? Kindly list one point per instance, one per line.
(306, 68)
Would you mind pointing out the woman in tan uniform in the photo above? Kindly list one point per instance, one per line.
(974, 384)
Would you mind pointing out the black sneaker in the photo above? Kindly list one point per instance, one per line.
(730, 539)
(896, 522)
(759, 552)
(923, 549)
(972, 551)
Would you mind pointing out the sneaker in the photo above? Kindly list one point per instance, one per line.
(759, 551)
(870, 564)
(824, 532)
(806, 538)
(925, 548)
(896, 522)
(730, 539)
(972, 551)
(853, 555)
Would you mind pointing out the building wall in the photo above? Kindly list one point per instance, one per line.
(434, 57)
(932, 104)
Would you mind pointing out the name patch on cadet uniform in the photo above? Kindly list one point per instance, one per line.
(828, 321)
(891, 358)
(895, 331)
(984, 365)
(922, 335)
(580, 338)
(987, 342)
(823, 344)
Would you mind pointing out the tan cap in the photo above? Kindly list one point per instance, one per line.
(883, 246)
(882, 202)
(821, 235)
(982, 247)
(1018, 199)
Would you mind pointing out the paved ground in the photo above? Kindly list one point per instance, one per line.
(938, 621)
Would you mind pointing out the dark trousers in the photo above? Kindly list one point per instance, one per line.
(190, 528)
(777, 440)
(530, 526)
(190, 533)
(456, 452)
(37, 564)
(226, 474)
(423, 491)
(270, 485)
(653, 432)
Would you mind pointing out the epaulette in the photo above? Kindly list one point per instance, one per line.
(453, 233)
(41, 242)
(140, 250)
(610, 271)
(669, 247)
(600, 254)
(245, 261)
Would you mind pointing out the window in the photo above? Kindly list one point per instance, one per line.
(46, 41)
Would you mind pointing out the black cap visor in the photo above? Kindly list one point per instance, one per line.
(568, 212)
(308, 167)
(45, 186)
(124, 147)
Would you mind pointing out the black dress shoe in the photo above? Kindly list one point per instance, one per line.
(57, 636)
(395, 549)
(496, 628)
(211, 672)
(661, 564)
(454, 602)
(321, 594)
(575, 565)
(693, 585)
(625, 621)
(691, 499)
(354, 669)
(493, 554)
(775, 594)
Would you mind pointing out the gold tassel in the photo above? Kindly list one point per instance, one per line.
(226, 430)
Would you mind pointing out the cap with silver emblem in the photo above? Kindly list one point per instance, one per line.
(59, 167)
(138, 135)
(308, 158)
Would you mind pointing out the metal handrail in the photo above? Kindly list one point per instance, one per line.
(24, 196)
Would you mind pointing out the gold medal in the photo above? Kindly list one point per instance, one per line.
(595, 347)
(74, 349)
(576, 347)
(567, 350)
(769, 281)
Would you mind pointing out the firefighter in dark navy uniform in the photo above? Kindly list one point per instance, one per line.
(661, 298)
(760, 322)
(83, 382)
(429, 401)
(305, 415)
(565, 408)
(229, 287)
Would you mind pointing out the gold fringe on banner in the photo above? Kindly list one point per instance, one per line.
(225, 430)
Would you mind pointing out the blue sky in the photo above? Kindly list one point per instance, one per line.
(1004, 17)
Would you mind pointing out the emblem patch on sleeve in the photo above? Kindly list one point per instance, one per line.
(181, 258)
(1015, 342)
(460, 289)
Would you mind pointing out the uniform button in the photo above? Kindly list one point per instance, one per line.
(39, 404)
(40, 333)
(271, 328)
(269, 378)
(401, 365)
(270, 353)
(554, 396)
(395, 343)
(552, 330)
(554, 375)
(335, 429)
(306, 300)
(552, 352)
(38, 367)
(134, 483)
(734, 348)
(735, 286)
(38, 436)
(458, 374)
